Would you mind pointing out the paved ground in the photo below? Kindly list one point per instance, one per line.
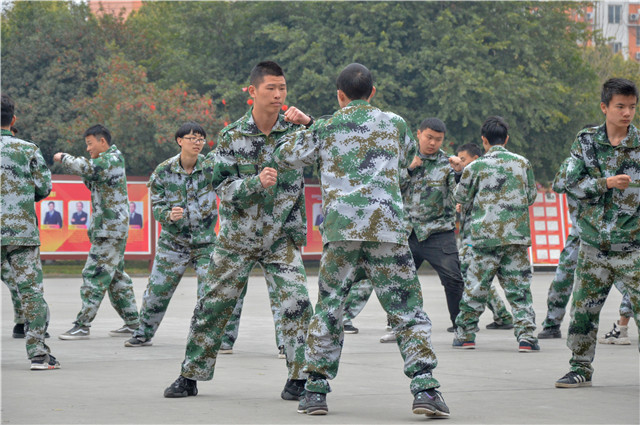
(102, 382)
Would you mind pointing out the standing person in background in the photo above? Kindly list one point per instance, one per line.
(104, 175)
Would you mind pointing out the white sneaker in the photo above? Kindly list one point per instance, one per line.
(617, 336)
(388, 337)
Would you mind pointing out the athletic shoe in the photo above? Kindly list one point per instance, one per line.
(137, 341)
(18, 330)
(281, 353)
(451, 329)
(76, 332)
(125, 331)
(470, 345)
(350, 329)
(293, 389)
(550, 333)
(528, 347)
(44, 362)
(225, 350)
(573, 380)
(388, 337)
(430, 403)
(313, 403)
(618, 336)
(388, 328)
(496, 325)
(182, 387)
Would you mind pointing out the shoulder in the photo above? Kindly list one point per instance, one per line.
(165, 166)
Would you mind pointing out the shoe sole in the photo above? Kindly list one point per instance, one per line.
(384, 341)
(144, 344)
(351, 332)
(45, 367)
(181, 395)
(615, 342)
(72, 337)
(282, 356)
(225, 351)
(317, 411)
(465, 347)
(527, 350)
(579, 384)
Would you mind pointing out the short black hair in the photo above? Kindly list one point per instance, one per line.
(496, 130)
(615, 86)
(51, 203)
(355, 81)
(190, 127)
(434, 124)
(263, 69)
(471, 148)
(98, 131)
(8, 110)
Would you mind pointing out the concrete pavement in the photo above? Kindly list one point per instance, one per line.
(101, 381)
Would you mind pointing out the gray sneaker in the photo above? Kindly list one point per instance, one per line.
(313, 403)
(76, 332)
(388, 337)
(430, 403)
(125, 331)
(137, 341)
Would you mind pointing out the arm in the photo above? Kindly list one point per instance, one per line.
(465, 192)
(41, 176)
(532, 192)
(298, 149)
(159, 205)
(584, 183)
(91, 170)
(408, 159)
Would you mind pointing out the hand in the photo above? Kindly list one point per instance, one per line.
(456, 163)
(268, 177)
(296, 116)
(458, 208)
(619, 182)
(415, 163)
(176, 213)
(58, 157)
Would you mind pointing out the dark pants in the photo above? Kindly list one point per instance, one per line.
(441, 251)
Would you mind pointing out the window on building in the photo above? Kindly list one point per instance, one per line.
(615, 10)
(616, 47)
(638, 36)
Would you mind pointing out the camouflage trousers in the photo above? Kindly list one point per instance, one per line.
(169, 265)
(18, 316)
(510, 263)
(356, 300)
(227, 278)
(494, 302)
(595, 274)
(390, 268)
(562, 286)
(104, 272)
(233, 325)
(22, 270)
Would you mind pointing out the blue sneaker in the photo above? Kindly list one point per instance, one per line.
(469, 345)
(528, 347)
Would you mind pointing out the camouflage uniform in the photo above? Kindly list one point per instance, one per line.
(609, 226)
(427, 194)
(497, 190)
(104, 270)
(257, 225)
(360, 152)
(356, 300)
(562, 284)
(189, 240)
(25, 179)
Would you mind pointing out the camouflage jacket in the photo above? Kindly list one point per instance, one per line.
(360, 152)
(496, 191)
(560, 186)
(609, 219)
(105, 177)
(250, 215)
(428, 196)
(171, 186)
(25, 180)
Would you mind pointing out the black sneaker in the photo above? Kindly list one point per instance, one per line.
(451, 329)
(313, 404)
(137, 341)
(44, 362)
(350, 329)
(281, 353)
(18, 330)
(293, 389)
(496, 325)
(182, 387)
(430, 403)
(573, 380)
(550, 333)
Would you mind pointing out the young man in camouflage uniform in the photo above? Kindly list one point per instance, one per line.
(25, 180)
(104, 175)
(262, 221)
(562, 284)
(604, 175)
(360, 152)
(184, 203)
(496, 191)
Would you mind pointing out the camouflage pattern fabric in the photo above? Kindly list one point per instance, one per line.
(595, 274)
(428, 196)
(25, 180)
(226, 279)
(389, 267)
(609, 219)
(105, 177)
(496, 190)
(511, 264)
(104, 272)
(357, 298)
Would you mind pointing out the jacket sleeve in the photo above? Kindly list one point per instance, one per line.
(159, 205)
(532, 191)
(41, 176)
(584, 182)
(297, 149)
(90, 170)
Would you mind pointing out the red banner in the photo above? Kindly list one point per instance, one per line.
(313, 205)
(547, 229)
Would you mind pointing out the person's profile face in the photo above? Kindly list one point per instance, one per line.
(466, 158)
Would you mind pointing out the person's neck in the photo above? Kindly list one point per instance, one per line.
(188, 162)
(616, 134)
(264, 120)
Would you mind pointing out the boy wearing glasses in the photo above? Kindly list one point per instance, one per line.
(184, 202)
